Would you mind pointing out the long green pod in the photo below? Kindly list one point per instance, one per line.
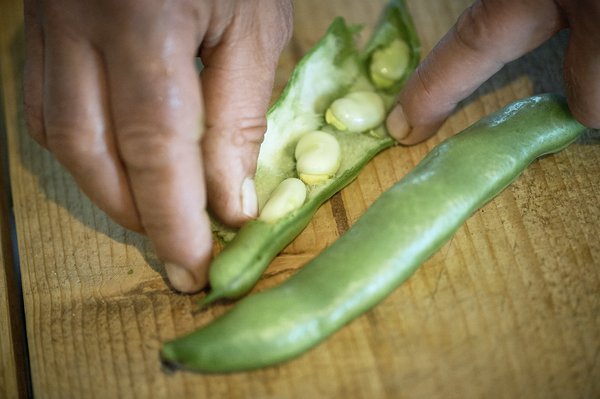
(331, 69)
(404, 227)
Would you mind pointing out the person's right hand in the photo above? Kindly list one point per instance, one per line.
(112, 90)
(488, 35)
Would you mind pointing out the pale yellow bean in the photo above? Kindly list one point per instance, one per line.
(289, 195)
(389, 64)
(318, 156)
(359, 111)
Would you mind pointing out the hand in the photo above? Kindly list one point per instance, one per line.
(111, 89)
(488, 35)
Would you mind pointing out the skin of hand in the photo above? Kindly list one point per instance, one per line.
(112, 91)
(488, 35)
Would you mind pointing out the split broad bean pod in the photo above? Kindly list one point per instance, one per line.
(326, 126)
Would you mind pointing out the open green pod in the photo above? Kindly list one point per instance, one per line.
(332, 69)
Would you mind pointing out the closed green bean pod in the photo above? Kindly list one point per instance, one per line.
(404, 227)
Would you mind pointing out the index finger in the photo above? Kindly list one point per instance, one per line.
(487, 35)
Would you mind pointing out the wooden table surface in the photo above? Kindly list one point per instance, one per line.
(509, 308)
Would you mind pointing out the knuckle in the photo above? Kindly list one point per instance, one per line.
(471, 29)
(72, 146)
(287, 18)
(277, 31)
(33, 110)
(146, 147)
(251, 130)
(486, 22)
(244, 132)
(425, 87)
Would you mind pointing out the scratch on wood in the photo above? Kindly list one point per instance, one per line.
(339, 213)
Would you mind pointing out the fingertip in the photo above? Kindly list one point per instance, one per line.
(401, 130)
(183, 279)
(187, 259)
(397, 123)
(186, 254)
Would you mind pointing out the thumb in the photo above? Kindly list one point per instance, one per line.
(237, 83)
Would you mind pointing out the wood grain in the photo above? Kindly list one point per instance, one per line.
(13, 365)
(509, 308)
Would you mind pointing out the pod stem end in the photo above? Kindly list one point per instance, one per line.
(209, 298)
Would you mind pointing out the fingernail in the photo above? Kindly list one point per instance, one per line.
(181, 278)
(249, 200)
(397, 123)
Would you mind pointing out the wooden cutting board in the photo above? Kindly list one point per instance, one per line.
(509, 308)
